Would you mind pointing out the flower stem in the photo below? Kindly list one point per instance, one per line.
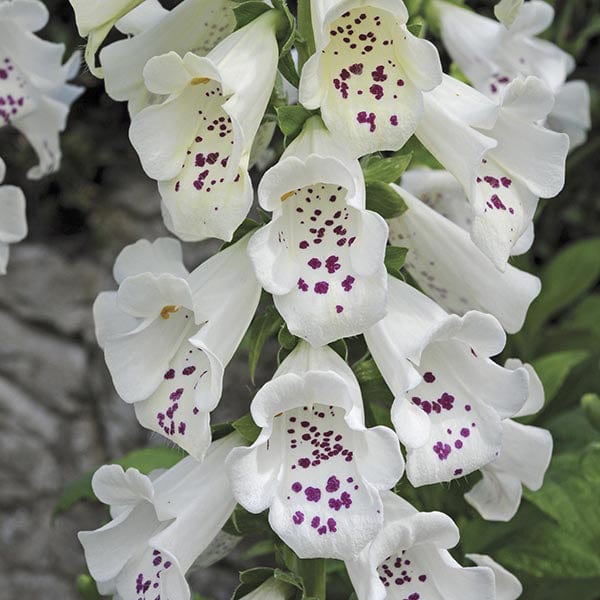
(313, 574)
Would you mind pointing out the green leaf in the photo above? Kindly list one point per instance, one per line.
(371, 381)
(262, 328)
(146, 460)
(387, 170)
(569, 275)
(286, 339)
(288, 69)
(247, 428)
(261, 548)
(220, 430)
(341, 348)
(291, 119)
(242, 523)
(250, 580)
(246, 12)
(590, 403)
(394, 260)
(554, 369)
(418, 27)
(245, 228)
(571, 431)
(384, 200)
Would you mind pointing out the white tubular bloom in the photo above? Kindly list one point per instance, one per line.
(368, 73)
(322, 254)
(13, 222)
(193, 26)
(449, 397)
(160, 525)
(408, 560)
(508, 587)
(34, 95)
(503, 159)
(271, 589)
(443, 259)
(197, 142)
(168, 334)
(492, 56)
(523, 460)
(315, 466)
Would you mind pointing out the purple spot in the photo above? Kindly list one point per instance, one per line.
(312, 494)
(429, 377)
(333, 484)
(298, 517)
(321, 287)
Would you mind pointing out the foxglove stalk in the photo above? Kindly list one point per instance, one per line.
(161, 524)
(168, 334)
(508, 587)
(322, 254)
(509, 160)
(523, 460)
(449, 397)
(197, 142)
(192, 26)
(315, 466)
(408, 560)
(34, 94)
(492, 56)
(443, 259)
(368, 73)
(13, 223)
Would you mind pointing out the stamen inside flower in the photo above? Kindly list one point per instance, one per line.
(167, 310)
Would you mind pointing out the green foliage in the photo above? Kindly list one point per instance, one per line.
(395, 258)
(145, 460)
(384, 200)
(247, 428)
(246, 12)
(262, 328)
(291, 119)
(386, 170)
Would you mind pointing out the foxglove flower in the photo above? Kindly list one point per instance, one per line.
(408, 560)
(315, 466)
(443, 259)
(492, 56)
(368, 73)
(509, 161)
(197, 142)
(322, 254)
(160, 525)
(192, 26)
(13, 223)
(34, 95)
(523, 460)
(271, 589)
(95, 19)
(168, 334)
(508, 587)
(449, 397)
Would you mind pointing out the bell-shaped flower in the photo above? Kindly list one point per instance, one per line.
(34, 94)
(271, 589)
(161, 524)
(13, 222)
(168, 335)
(197, 142)
(443, 259)
(503, 159)
(492, 56)
(368, 73)
(449, 397)
(322, 254)
(523, 460)
(315, 466)
(409, 560)
(193, 25)
(508, 587)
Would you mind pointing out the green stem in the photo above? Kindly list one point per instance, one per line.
(306, 32)
(313, 574)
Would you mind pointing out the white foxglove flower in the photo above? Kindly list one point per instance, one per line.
(504, 160)
(34, 94)
(322, 254)
(368, 73)
(13, 222)
(95, 19)
(492, 56)
(168, 335)
(197, 142)
(408, 560)
(192, 26)
(449, 397)
(508, 587)
(523, 460)
(443, 259)
(315, 466)
(160, 525)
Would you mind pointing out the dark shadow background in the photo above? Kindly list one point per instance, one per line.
(59, 415)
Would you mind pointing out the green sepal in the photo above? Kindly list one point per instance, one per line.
(247, 428)
(246, 12)
(286, 339)
(387, 170)
(245, 228)
(394, 260)
(382, 199)
(291, 120)
(242, 523)
(340, 347)
(261, 329)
